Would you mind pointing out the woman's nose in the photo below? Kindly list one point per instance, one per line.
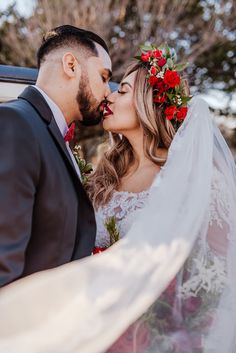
(111, 97)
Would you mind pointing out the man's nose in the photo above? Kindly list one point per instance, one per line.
(107, 91)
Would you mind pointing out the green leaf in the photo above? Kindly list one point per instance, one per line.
(186, 99)
(180, 67)
(112, 229)
(170, 63)
(88, 168)
(145, 47)
(169, 95)
(138, 57)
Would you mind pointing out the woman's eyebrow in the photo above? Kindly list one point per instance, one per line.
(125, 83)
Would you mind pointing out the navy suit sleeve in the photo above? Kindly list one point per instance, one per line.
(19, 169)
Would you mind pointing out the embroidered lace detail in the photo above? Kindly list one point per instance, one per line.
(219, 206)
(124, 206)
(207, 269)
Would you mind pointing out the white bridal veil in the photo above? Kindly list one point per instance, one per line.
(186, 236)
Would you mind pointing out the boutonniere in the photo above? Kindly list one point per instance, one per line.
(84, 167)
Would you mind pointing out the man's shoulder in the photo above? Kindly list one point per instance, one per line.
(17, 115)
(15, 106)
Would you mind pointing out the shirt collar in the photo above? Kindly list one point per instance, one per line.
(56, 111)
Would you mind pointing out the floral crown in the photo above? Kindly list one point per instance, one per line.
(163, 76)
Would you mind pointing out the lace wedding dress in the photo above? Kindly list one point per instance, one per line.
(124, 206)
(206, 266)
(169, 283)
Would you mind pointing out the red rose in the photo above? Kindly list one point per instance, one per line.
(161, 86)
(161, 62)
(159, 99)
(153, 80)
(145, 56)
(157, 53)
(153, 70)
(137, 334)
(170, 111)
(181, 113)
(171, 78)
(97, 250)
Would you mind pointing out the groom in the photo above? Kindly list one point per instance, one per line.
(46, 218)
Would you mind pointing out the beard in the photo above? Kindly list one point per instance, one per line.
(88, 105)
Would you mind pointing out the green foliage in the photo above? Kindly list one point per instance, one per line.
(112, 229)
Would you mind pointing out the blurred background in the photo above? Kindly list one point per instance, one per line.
(203, 32)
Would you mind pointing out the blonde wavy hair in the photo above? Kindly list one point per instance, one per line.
(116, 161)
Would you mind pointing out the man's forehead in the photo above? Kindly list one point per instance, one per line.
(104, 56)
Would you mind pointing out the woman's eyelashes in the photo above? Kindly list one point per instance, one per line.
(120, 92)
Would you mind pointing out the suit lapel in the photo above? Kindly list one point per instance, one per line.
(33, 96)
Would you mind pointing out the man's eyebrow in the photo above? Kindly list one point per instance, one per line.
(125, 83)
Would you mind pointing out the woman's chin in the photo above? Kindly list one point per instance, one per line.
(106, 124)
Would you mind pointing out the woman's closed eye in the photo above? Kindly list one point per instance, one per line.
(121, 92)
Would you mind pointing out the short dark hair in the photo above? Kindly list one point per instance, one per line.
(67, 35)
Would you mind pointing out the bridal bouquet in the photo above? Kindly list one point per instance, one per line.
(112, 229)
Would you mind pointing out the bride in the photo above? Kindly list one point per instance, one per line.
(166, 189)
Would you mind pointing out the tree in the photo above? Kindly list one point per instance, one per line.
(201, 31)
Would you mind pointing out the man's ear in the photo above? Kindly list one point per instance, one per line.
(70, 65)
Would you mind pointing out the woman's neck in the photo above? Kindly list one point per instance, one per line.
(136, 141)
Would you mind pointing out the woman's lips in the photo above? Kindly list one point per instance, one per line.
(107, 111)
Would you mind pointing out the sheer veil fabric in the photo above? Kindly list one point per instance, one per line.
(189, 222)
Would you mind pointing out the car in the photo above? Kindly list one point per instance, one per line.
(14, 79)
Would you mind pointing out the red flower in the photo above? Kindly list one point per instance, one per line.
(97, 250)
(157, 53)
(181, 113)
(170, 112)
(159, 99)
(153, 70)
(161, 86)
(161, 62)
(171, 78)
(153, 80)
(145, 56)
(137, 335)
(191, 305)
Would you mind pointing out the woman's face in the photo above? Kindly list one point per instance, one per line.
(120, 116)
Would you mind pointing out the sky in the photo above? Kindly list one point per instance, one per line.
(23, 6)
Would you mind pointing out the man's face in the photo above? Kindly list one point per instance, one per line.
(93, 87)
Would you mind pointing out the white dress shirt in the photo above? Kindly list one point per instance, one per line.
(61, 123)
